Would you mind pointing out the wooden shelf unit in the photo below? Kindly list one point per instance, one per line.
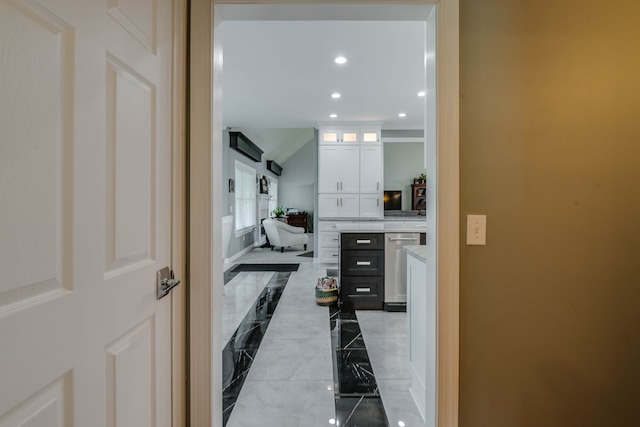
(418, 197)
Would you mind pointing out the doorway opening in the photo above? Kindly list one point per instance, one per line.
(449, 12)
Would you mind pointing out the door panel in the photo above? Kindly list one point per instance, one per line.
(85, 203)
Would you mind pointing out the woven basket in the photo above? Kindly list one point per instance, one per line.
(327, 297)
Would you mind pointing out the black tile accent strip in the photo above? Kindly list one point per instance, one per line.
(241, 349)
(233, 272)
(358, 401)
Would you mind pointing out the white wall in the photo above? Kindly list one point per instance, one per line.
(403, 161)
(297, 185)
(237, 244)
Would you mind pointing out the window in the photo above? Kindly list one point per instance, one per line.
(273, 192)
(245, 186)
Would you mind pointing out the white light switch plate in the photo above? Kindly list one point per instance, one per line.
(476, 229)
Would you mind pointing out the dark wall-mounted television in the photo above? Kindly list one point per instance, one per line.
(393, 200)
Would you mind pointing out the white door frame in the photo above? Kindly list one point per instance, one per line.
(205, 216)
(178, 216)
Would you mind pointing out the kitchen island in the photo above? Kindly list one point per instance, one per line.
(421, 324)
(372, 264)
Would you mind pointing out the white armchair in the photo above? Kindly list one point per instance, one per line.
(282, 234)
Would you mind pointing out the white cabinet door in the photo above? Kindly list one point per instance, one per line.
(338, 205)
(338, 169)
(85, 218)
(371, 169)
(329, 169)
(328, 205)
(349, 205)
(370, 136)
(371, 206)
(337, 136)
(349, 169)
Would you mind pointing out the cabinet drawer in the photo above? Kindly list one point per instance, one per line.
(362, 263)
(363, 241)
(328, 239)
(330, 255)
(362, 292)
(327, 226)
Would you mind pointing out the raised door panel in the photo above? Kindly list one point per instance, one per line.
(349, 169)
(371, 169)
(329, 169)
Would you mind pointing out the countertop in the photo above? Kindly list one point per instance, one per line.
(381, 227)
(407, 216)
(418, 252)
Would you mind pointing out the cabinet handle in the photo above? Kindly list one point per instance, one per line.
(396, 239)
(334, 255)
(337, 202)
(363, 263)
(378, 185)
(341, 186)
(340, 201)
(378, 202)
(337, 186)
(363, 289)
(363, 242)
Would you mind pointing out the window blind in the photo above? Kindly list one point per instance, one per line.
(273, 192)
(245, 196)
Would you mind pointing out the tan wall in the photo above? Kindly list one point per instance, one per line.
(550, 151)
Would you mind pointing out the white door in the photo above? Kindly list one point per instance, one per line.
(349, 169)
(371, 206)
(371, 169)
(349, 205)
(328, 169)
(328, 205)
(85, 198)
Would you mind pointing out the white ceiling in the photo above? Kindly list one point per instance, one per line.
(280, 74)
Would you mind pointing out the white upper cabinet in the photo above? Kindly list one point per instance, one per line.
(370, 136)
(338, 169)
(371, 168)
(350, 171)
(336, 136)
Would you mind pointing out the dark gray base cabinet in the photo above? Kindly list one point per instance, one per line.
(362, 270)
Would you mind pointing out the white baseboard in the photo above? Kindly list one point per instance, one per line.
(239, 254)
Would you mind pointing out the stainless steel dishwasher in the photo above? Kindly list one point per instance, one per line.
(395, 269)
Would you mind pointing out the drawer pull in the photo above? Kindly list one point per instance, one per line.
(363, 242)
(334, 255)
(403, 239)
(335, 240)
(363, 263)
(363, 289)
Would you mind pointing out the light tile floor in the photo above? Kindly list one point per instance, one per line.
(290, 382)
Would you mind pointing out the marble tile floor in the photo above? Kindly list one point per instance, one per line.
(291, 379)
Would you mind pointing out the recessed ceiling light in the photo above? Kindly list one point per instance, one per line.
(423, 93)
(333, 116)
(335, 95)
(402, 115)
(340, 60)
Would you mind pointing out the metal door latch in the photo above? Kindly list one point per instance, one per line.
(166, 282)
